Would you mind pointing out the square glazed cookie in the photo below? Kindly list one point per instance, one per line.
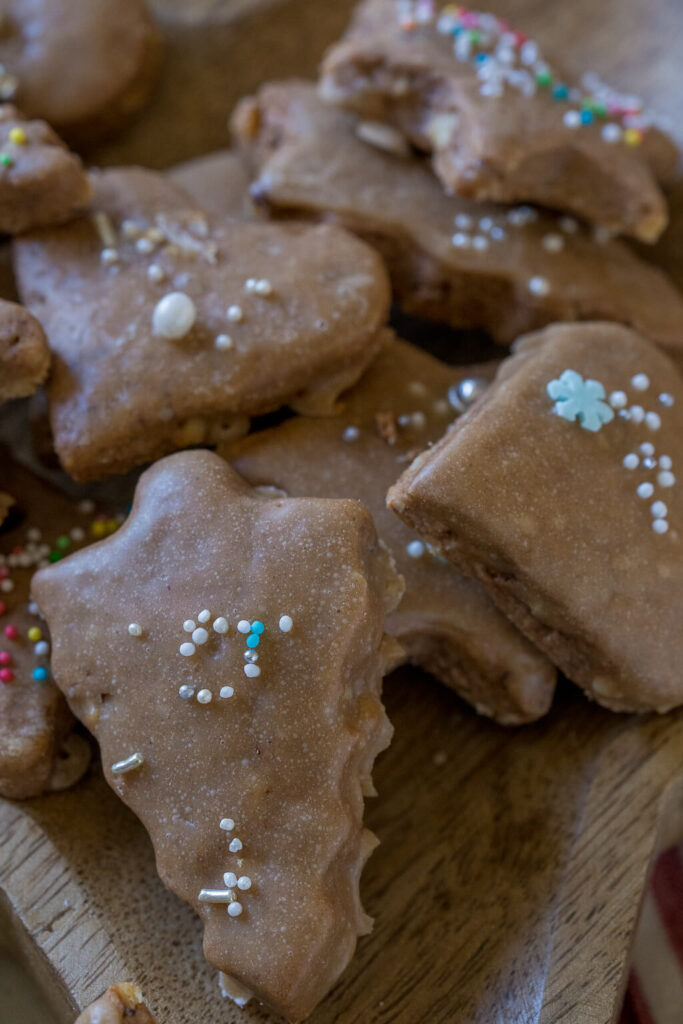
(466, 263)
(445, 622)
(558, 491)
(500, 118)
(168, 329)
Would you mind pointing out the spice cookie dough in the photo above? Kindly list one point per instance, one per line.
(24, 355)
(559, 492)
(227, 651)
(500, 120)
(85, 66)
(120, 1004)
(219, 183)
(453, 260)
(445, 622)
(38, 750)
(186, 327)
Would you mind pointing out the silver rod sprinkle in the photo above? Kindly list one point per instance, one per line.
(216, 896)
(128, 764)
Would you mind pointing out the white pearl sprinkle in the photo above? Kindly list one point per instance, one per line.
(7, 586)
(647, 448)
(35, 610)
(155, 273)
(462, 221)
(230, 879)
(33, 534)
(200, 636)
(244, 883)
(174, 316)
(637, 413)
(539, 286)
(109, 256)
(77, 534)
(666, 479)
(640, 382)
(652, 420)
(497, 233)
(226, 692)
(645, 490)
(618, 399)
(41, 649)
(631, 461)
(460, 240)
(234, 908)
(480, 243)
(263, 287)
(568, 225)
(235, 845)
(144, 245)
(189, 625)
(285, 623)
(204, 696)
(135, 629)
(223, 341)
(351, 434)
(220, 625)
(244, 626)
(415, 549)
(227, 824)
(252, 671)
(665, 462)
(186, 692)
(572, 119)
(204, 615)
(611, 132)
(660, 525)
(187, 650)
(130, 229)
(553, 243)
(666, 399)
(658, 509)
(234, 314)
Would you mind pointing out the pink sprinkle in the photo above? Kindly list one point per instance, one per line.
(6, 675)
(4, 573)
(5, 658)
(11, 632)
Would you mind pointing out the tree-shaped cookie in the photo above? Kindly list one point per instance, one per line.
(227, 651)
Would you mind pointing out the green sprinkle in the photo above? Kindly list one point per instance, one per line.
(544, 78)
(63, 542)
(475, 35)
(55, 556)
(6, 160)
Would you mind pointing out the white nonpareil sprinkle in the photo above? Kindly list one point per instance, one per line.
(128, 764)
(647, 448)
(572, 119)
(660, 525)
(631, 461)
(7, 586)
(553, 242)
(86, 507)
(189, 625)
(200, 636)
(645, 490)
(129, 229)
(640, 382)
(244, 626)
(568, 225)
(41, 649)
(234, 909)
(220, 625)
(462, 221)
(35, 610)
(135, 629)
(618, 399)
(637, 413)
(235, 845)
(226, 692)
(230, 879)
(480, 243)
(460, 240)
(234, 314)
(174, 316)
(244, 883)
(204, 696)
(204, 615)
(109, 256)
(652, 420)
(415, 549)
(155, 273)
(227, 824)
(285, 623)
(186, 692)
(223, 341)
(351, 434)
(187, 650)
(144, 245)
(658, 509)
(666, 479)
(77, 534)
(665, 462)
(539, 285)
(666, 399)
(258, 286)
(252, 671)
(611, 132)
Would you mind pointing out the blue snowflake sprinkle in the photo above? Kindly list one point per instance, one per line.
(579, 399)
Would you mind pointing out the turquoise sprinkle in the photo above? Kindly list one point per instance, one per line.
(40, 674)
(253, 640)
(560, 92)
(586, 117)
(257, 627)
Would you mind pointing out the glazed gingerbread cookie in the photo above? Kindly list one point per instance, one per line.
(558, 491)
(85, 66)
(227, 651)
(499, 118)
(219, 183)
(184, 327)
(453, 260)
(445, 622)
(24, 355)
(120, 1004)
(38, 750)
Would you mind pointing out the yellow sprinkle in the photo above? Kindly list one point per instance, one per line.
(632, 137)
(99, 528)
(111, 525)
(18, 136)
(35, 634)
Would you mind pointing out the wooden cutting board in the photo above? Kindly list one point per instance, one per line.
(512, 863)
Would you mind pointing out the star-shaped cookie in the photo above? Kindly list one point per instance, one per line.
(168, 330)
(559, 492)
(445, 622)
(466, 263)
(227, 651)
(500, 118)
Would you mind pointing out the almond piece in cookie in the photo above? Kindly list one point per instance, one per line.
(120, 1004)
(227, 651)
(559, 491)
(500, 118)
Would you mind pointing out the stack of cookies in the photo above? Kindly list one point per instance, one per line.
(322, 500)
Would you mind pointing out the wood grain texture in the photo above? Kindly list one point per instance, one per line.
(512, 864)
